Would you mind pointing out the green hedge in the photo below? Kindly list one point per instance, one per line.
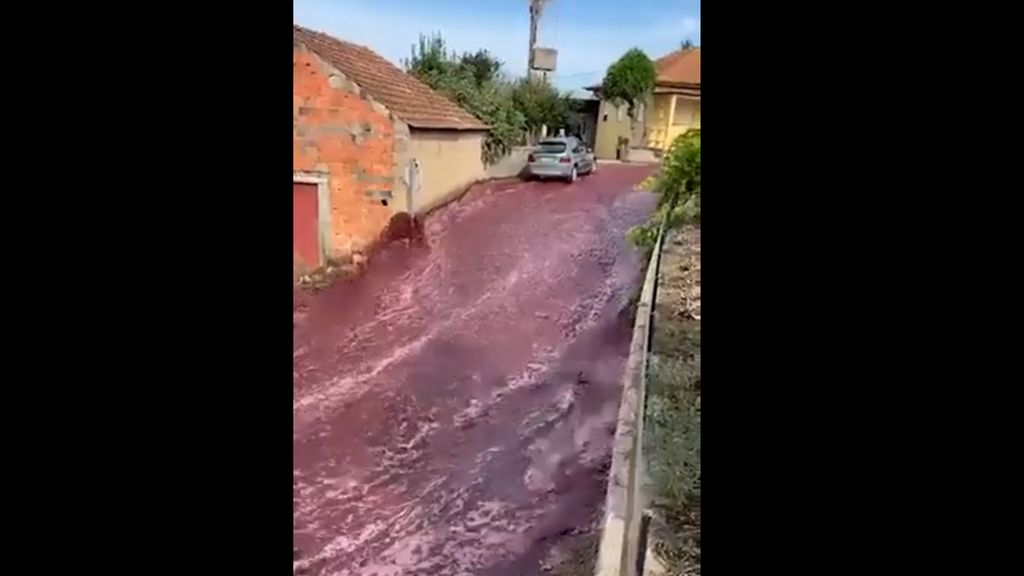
(678, 188)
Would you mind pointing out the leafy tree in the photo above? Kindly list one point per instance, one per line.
(687, 44)
(473, 81)
(541, 104)
(630, 80)
(492, 103)
(482, 66)
(430, 58)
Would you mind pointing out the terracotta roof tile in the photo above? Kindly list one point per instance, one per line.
(679, 67)
(411, 100)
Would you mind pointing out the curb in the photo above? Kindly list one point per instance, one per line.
(619, 553)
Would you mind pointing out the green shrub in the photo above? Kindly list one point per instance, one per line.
(678, 188)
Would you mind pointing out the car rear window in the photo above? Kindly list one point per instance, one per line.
(551, 147)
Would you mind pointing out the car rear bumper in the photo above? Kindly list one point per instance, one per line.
(549, 170)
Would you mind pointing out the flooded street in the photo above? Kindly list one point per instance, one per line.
(453, 407)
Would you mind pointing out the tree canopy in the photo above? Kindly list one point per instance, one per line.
(474, 80)
(542, 104)
(630, 79)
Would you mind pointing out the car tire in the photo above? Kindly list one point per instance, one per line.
(573, 175)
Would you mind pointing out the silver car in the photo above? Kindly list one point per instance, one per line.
(564, 158)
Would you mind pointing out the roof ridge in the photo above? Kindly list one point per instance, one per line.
(412, 100)
(329, 38)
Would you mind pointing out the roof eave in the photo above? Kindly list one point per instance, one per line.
(660, 83)
(417, 125)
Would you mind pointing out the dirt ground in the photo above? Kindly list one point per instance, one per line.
(678, 298)
(673, 408)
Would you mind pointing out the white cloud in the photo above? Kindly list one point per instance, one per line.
(583, 51)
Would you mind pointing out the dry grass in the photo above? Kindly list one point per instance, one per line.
(672, 435)
(679, 284)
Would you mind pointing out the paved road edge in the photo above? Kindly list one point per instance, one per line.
(624, 504)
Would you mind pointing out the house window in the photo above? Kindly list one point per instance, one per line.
(683, 115)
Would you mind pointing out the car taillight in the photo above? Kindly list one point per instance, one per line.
(564, 160)
(531, 158)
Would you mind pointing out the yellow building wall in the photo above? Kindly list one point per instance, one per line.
(612, 123)
(669, 117)
(449, 161)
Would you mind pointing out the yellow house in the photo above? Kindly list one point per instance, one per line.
(673, 109)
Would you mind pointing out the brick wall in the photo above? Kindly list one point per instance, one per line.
(339, 131)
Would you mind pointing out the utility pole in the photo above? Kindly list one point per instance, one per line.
(536, 7)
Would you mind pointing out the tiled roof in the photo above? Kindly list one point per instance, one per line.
(411, 100)
(680, 67)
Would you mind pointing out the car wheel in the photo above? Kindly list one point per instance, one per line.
(572, 175)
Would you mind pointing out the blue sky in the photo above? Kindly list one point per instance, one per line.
(588, 34)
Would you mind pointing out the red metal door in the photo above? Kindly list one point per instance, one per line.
(305, 225)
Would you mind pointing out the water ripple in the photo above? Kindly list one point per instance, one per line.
(453, 407)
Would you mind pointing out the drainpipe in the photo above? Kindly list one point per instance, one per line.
(412, 184)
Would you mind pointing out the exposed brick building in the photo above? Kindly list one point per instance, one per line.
(358, 124)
